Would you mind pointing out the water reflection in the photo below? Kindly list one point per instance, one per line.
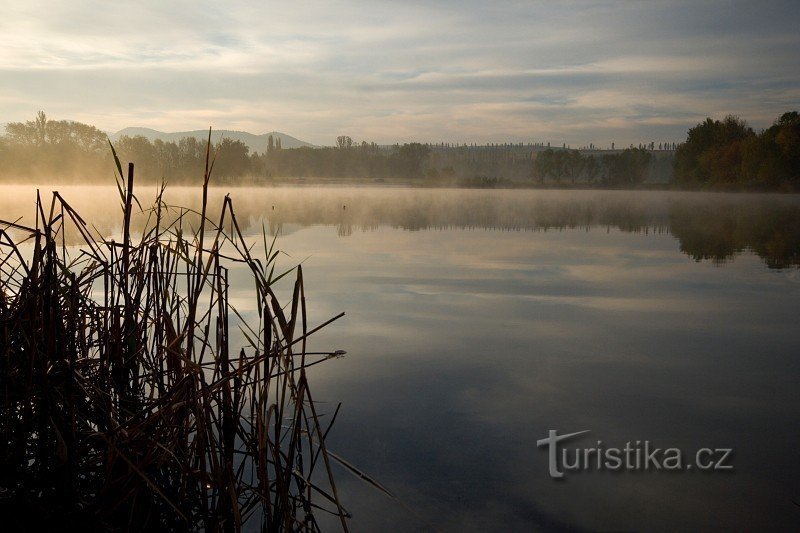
(715, 227)
(721, 230)
(478, 320)
(467, 346)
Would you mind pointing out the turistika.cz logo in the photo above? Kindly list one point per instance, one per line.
(634, 456)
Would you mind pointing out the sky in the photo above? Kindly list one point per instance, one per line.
(388, 71)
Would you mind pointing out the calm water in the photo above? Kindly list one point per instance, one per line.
(479, 320)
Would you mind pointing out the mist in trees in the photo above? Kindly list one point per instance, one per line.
(718, 154)
(42, 146)
(184, 161)
(628, 168)
(44, 149)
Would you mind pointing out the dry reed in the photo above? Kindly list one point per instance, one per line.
(123, 405)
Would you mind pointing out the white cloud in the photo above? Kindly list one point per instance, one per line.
(569, 72)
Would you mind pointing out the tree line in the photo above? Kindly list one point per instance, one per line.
(717, 154)
(345, 160)
(43, 149)
(47, 149)
(628, 168)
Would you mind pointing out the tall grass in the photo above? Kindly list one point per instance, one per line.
(124, 404)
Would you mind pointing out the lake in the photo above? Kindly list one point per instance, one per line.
(478, 321)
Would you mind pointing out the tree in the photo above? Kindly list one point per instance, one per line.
(40, 125)
(141, 151)
(42, 132)
(772, 159)
(344, 142)
(572, 164)
(591, 168)
(712, 153)
(627, 168)
(408, 159)
(558, 164)
(543, 165)
(232, 158)
(23, 133)
(84, 137)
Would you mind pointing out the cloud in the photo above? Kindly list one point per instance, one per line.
(574, 72)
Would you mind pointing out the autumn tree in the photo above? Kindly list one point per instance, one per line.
(712, 153)
(772, 159)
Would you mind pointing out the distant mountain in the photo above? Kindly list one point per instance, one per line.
(256, 143)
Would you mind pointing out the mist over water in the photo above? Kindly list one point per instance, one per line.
(708, 226)
(479, 320)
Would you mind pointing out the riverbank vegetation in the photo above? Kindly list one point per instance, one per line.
(126, 400)
(728, 154)
(718, 154)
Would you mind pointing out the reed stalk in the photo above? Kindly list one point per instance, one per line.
(124, 405)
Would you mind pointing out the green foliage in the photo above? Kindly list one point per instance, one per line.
(728, 154)
(772, 159)
(48, 147)
(712, 153)
(43, 149)
(627, 168)
(185, 159)
(558, 165)
(409, 158)
(233, 158)
(346, 160)
(42, 132)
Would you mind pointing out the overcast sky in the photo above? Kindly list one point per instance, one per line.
(459, 71)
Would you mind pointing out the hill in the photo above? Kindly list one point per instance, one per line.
(256, 143)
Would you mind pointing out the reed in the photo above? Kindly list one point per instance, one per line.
(124, 405)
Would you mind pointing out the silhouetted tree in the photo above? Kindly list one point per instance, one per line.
(772, 159)
(344, 142)
(712, 153)
(232, 158)
(627, 168)
(409, 158)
